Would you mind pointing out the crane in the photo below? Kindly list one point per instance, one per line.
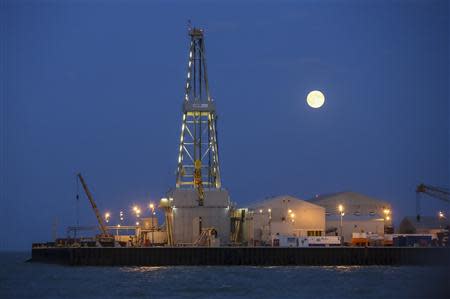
(104, 238)
(436, 192)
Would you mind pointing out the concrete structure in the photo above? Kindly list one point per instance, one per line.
(361, 213)
(426, 225)
(189, 219)
(283, 215)
(255, 256)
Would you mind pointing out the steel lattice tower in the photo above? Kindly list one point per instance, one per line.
(198, 159)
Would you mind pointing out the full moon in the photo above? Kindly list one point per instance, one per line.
(315, 99)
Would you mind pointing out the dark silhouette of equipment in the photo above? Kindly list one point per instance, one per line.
(104, 238)
(435, 192)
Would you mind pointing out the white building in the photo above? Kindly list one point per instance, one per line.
(361, 213)
(189, 218)
(283, 215)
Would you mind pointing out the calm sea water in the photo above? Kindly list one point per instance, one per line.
(19, 279)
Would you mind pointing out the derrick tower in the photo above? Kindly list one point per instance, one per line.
(198, 158)
(198, 205)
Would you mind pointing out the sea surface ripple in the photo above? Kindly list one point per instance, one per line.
(20, 279)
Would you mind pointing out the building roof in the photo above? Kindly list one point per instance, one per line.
(279, 198)
(426, 222)
(349, 198)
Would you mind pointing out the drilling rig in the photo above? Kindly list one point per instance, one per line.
(198, 157)
(198, 203)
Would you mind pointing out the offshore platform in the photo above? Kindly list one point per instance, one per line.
(202, 227)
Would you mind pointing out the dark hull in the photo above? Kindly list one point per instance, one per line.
(256, 256)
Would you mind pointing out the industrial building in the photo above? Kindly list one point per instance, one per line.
(190, 220)
(351, 212)
(282, 215)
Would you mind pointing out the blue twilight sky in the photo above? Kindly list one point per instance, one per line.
(97, 86)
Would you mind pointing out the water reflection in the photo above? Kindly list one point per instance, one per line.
(141, 269)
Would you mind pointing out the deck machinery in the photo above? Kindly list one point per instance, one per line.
(198, 202)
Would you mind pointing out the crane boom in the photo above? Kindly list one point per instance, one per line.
(101, 224)
(436, 192)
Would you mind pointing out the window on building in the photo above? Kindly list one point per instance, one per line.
(314, 233)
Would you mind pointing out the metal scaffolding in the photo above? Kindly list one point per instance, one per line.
(198, 159)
